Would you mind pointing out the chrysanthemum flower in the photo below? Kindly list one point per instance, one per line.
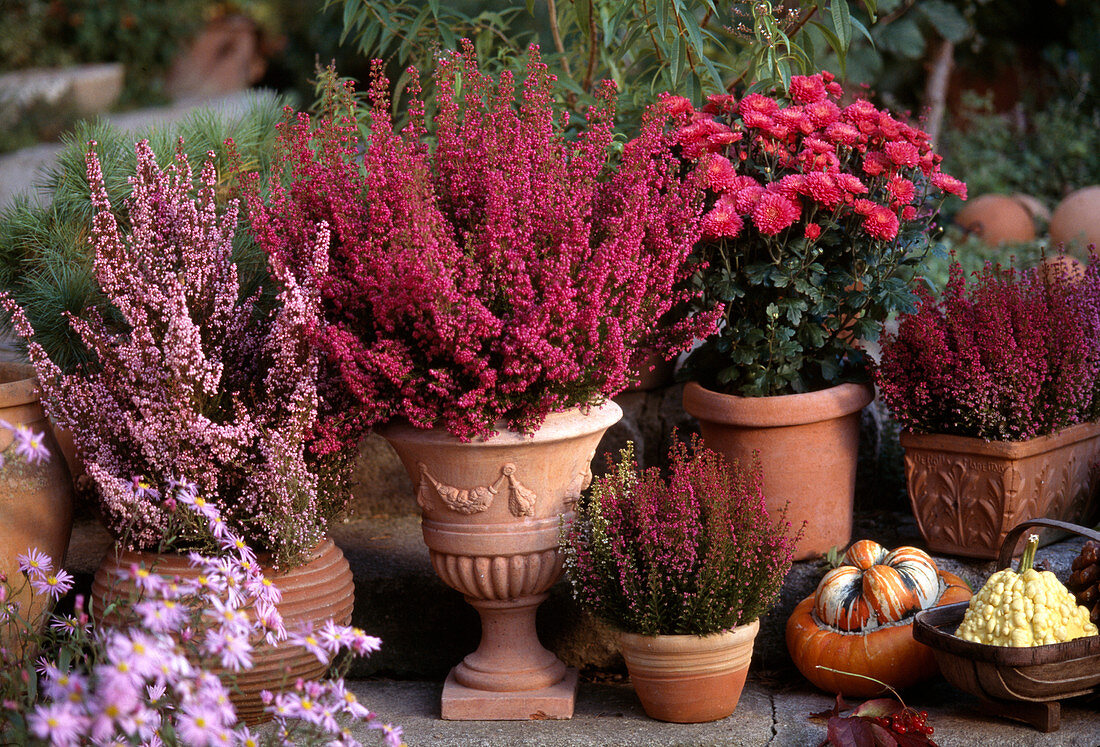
(774, 213)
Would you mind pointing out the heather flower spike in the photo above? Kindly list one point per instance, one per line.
(506, 274)
(207, 391)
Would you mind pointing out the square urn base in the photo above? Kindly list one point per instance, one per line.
(461, 703)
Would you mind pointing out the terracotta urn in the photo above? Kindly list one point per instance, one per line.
(320, 589)
(493, 510)
(997, 219)
(967, 493)
(689, 679)
(36, 500)
(807, 445)
(1077, 219)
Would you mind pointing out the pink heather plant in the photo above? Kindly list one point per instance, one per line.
(694, 554)
(814, 213)
(1013, 356)
(148, 682)
(203, 386)
(505, 274)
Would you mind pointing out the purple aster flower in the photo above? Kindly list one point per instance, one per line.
(34, 562)
(228, 615)
(261, 589)
(61, 723)
(245, 737)
(56, 585)
(145, 579)
(198, 727)
(64, 685)
(232, 647)
(144, 490)
(161, 615)
(310, 642)
(28, 444)
(349, 703)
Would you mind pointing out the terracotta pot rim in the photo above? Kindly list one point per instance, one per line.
(18, 384)
(776, 411)
(676, 641)
(1002, 449)
(178, 559)
(558, 426)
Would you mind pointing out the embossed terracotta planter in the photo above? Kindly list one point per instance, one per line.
(492, 513)
(689, 679)
(36, 500)
(320, 589)
(968, 493)
(807, 444)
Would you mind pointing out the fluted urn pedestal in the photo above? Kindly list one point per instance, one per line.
(492, 515)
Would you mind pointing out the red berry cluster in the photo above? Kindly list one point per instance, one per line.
(907, 721)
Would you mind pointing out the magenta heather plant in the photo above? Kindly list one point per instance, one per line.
(203, 385)
(694, 554)
(1013, 356)
(506, 274)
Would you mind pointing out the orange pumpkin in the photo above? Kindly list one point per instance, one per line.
(860, 619)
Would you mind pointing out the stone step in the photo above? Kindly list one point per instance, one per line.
(769, 713)
(426, 628)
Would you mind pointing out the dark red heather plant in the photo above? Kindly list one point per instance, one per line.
(505, 274)
(1011, 356)
(695, 553)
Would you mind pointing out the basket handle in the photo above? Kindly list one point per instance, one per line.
(1008, 547)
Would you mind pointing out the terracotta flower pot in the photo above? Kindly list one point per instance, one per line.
(320, 589)
(36, 501)
(655, 373)
(807, 444)
(492, 513)
(968, 493)
(689, 678)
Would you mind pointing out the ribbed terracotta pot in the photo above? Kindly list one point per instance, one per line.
(967, 493)
(493, 510)
(320, 589)
(689, 679)
(36, 501)
(808, 444)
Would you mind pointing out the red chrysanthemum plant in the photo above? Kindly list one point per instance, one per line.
(815, 214)
(505, 273)
(203, 384)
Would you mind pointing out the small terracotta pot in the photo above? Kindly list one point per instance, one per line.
(320, 589)
(36, 501)
(493, 510)
(967, 493)
(689, 679)
(807, 443)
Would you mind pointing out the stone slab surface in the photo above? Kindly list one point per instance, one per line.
(460, 703)
(609, 714)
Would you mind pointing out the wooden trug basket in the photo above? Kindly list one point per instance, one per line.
(1023, 683)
